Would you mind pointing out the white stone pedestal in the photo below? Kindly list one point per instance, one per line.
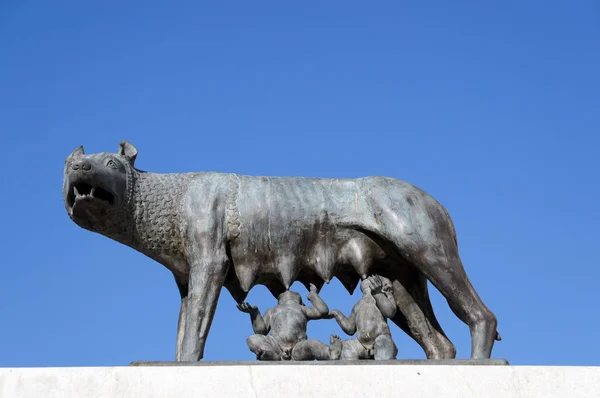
(301, 380)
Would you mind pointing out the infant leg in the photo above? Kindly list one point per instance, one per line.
(385, 348)
(335, 347)
(309, 350)
(352, 350)
(264, 348)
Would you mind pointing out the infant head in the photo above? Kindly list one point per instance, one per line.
(365, 286)
(289, 296)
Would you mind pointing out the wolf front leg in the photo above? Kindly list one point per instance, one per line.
(183, 292)
(207, 276)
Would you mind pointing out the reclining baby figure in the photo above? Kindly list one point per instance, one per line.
(369, 320)
(287, 323)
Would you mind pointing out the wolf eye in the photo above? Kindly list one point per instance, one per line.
(111, 163)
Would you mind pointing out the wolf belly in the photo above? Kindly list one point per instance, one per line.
(300, 229)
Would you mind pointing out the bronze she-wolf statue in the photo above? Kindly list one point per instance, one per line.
(214, 230)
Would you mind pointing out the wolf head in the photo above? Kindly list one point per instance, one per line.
(98, 187)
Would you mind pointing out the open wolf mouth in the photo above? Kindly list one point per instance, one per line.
(84, 191)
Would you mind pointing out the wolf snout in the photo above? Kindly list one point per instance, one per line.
(83, 165)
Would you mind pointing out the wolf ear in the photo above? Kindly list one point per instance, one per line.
(76, 152)
(128, 150)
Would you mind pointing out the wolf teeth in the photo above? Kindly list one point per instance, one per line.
(78, 194)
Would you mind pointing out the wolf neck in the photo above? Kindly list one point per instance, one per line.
(153, 225)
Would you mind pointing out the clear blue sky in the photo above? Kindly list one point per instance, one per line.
(492, 109)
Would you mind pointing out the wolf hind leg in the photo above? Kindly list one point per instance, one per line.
(416, 317)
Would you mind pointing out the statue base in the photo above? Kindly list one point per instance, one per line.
(306, 379)
(410, 362)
